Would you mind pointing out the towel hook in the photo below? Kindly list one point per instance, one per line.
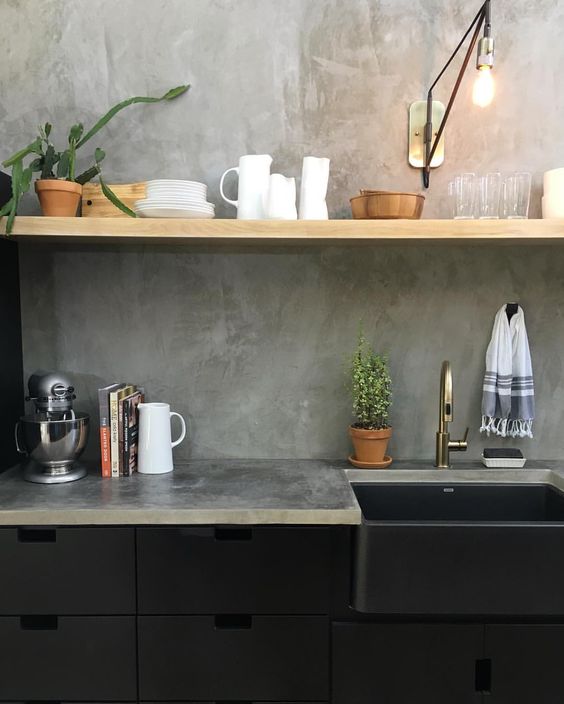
(511, 309)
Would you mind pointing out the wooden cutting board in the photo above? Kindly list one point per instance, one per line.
(96, 205)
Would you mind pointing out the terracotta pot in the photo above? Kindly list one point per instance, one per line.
(370, 445)
(58, 198)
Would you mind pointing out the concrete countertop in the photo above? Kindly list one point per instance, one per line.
(222, 492)
(233, 492)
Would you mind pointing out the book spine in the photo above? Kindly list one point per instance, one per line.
(103, 406)
(125, 454)
(114, 435)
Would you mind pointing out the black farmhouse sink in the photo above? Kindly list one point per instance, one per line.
(457, 549)
(497, 503)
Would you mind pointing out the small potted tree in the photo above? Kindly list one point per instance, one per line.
(371, 388)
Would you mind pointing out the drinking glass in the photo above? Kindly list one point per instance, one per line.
(451, 198)
(489, 192)
(464, 196)
(516, 195)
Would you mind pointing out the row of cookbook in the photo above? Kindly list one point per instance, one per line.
(119, 428)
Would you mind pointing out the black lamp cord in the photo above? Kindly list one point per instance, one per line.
(482, 18)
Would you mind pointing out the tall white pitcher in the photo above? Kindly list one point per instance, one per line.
(254, 179)
(155, 438)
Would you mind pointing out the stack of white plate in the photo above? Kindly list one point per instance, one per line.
(166, 198)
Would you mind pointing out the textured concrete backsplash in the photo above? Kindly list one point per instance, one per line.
(251, 345)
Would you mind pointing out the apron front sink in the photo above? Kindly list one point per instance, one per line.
(459, 549)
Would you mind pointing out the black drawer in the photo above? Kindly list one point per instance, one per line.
(68, 658)
(233, 658)
(67, 571)
(235, 570)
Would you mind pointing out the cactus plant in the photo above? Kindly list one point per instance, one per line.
(52, 164)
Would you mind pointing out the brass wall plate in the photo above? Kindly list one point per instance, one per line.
(417, 120)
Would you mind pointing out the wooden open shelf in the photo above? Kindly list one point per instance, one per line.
(271, 232)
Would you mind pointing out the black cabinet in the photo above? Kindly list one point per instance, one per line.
(527, 663)
(234, 570)
(233, 658)
(406, 663)
(68, 658)
(67, 571)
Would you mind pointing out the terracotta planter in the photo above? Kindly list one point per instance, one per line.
(58, 198)
(370, 445)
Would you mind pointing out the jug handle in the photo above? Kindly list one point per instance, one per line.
(225, 198)
(183, 433)
(18, 448)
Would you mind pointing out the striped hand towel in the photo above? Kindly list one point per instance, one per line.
(508, 400)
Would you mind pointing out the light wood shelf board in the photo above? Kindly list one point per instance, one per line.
(287, 232)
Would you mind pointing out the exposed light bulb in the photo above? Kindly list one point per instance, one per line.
(484, 88)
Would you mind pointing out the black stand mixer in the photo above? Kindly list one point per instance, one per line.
(55, 435)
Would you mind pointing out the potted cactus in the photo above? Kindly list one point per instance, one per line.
(58, 186)
(371, 389)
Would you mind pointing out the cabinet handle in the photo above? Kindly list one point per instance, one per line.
(233, 622)
(37, 535)
(39, 623)
(233, 534)
(483, 676)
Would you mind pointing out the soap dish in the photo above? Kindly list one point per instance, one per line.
(504, 462)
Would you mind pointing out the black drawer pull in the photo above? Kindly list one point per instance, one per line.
(233, 533)
(233, 621)
(483, 679)
(37, 535)
(39, 623)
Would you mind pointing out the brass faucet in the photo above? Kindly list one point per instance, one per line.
(444, 443)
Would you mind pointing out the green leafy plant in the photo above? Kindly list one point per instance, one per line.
(371, 387)
(50, 163)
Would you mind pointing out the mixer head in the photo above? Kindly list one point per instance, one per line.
(51, 392)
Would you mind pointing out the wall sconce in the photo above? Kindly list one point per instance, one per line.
(426, 144)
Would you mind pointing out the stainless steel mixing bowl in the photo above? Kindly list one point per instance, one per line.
(54, 444)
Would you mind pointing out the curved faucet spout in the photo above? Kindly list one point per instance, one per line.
(444, 444)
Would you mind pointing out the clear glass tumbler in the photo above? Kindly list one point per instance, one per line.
(517, 195)
(451, 199)
(488, 196)
(464, 196)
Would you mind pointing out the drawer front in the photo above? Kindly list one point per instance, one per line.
(67, 571)
(246, 570)
(68, 658)
(233, 658)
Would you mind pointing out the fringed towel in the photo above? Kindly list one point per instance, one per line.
(508, 401)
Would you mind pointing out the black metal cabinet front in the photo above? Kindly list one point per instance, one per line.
(68, 658)
(234, 570)
(406, 663)
(233, 658)
(527, 663)
(67, 571)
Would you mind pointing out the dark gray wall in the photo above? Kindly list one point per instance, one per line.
(251, 344)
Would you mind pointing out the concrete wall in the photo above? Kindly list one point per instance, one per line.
(251, 345)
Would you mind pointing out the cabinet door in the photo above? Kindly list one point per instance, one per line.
(527, 663)
(250, 658)
(67, 571)
(196, 570)
(406, 663)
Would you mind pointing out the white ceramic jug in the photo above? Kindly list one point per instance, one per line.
(254, 177)
(313, 191)
(281, 201)
(155, 440)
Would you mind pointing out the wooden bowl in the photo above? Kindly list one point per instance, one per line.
(387, 205)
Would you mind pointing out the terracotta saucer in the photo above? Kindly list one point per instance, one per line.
(387, 461)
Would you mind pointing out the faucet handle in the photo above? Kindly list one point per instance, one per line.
(465, 438)
(459, 445)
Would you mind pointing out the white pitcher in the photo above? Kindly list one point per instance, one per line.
(313, 191)
(254, 176)
(281, 201)
(155, 438)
